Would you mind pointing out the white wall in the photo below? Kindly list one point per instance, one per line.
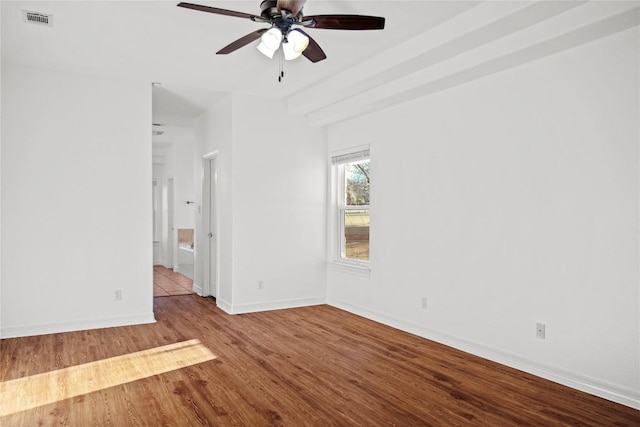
(508, 201)
(76, 202)
(271, 182)
(185, 191)
(169, 233)
(181, 156)
(213, 133)
(158, 246)
(279, 207)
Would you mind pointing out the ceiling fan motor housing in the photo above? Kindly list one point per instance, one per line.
(269, 9)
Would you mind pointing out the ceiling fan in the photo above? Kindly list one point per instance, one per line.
(282, 15)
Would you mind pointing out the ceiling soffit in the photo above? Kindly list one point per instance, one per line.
(483, 40)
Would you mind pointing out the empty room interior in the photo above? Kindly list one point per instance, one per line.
(322, 213)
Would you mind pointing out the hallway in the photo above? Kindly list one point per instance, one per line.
(167, 283)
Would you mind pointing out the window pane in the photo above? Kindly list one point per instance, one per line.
(356, 234)
(356, 177)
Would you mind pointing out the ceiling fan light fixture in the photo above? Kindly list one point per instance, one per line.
(272, 38)
(270, 42)
(266, 51)
(295, 44)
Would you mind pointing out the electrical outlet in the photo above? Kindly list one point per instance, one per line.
(540, 330)
(260, 284)
(118, 295)
(424, 303)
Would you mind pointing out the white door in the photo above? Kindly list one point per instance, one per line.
(210, 203)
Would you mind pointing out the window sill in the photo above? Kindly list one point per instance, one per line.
(343, 267)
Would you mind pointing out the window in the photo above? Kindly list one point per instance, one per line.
(352, 206)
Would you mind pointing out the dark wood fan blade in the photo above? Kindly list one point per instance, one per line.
(313, 52)
(293, 6)
(217, 10)
(344, 22)
(243, 41)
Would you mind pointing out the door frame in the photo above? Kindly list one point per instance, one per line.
(210, 186)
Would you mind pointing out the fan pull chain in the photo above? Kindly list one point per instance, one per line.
(281, 63)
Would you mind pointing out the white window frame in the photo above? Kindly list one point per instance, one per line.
(338, 207)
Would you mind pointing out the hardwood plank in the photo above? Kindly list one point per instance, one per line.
(312, 366)
(38, 390)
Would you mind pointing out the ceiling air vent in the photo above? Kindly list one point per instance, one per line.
(37, 18)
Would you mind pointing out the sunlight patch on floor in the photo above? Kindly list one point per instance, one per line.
(30, 392)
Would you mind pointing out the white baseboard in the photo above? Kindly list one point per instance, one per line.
(612, 392)
(272, 305)
(224, 305)
(197, 288)
(76, 325)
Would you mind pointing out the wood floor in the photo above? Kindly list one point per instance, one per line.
(313, 366)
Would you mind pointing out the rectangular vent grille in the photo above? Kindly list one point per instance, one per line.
(37, 18)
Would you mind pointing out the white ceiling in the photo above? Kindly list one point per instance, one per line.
(157, 41)
(427, 46)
